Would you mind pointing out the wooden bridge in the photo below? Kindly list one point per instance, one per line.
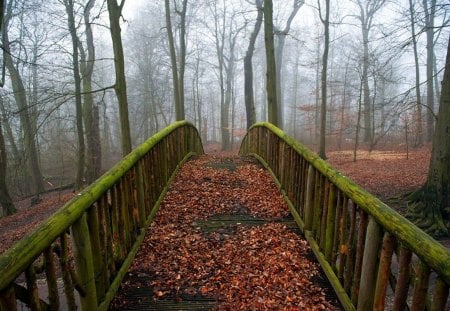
(373, 257)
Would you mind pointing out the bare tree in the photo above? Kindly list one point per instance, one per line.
(429, 28)
(432, 201)
(417, 71)
(120, 87)
(177, 69)
(323, 107)
(248, 67)
(281, 35)
(367, 11)
(271, 83)
(20, 96)
(78, 101)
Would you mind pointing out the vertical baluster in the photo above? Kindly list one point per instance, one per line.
(359, 256)
(8, 299)
(384, 270)
(69, 290)
(105, 237)
(369, 266)
(330, 221)
(342, 246)
(99, 265)
(337, 223)
(141, 194)
(349, 250)
(318, 198)
(422, 276)
(50, 273)
(32, 289)
(84, 262)
(440, 296)
(404, 274)
(323, 222)
(309, 205)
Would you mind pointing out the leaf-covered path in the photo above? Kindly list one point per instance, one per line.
(223, 239)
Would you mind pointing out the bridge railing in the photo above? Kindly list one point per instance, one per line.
(373, 257)
(81, 253)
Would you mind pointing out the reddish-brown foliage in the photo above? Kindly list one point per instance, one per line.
(243, 267)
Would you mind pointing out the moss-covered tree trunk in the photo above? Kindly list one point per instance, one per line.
(5, 198)
(433, 210)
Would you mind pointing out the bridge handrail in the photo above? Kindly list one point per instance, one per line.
(323, 192)
(102, 223)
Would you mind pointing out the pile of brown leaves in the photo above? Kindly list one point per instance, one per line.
(244, 267)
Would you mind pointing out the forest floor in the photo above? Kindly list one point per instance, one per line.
(386, 174)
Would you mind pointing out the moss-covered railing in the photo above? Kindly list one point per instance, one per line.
(374, 258)
(81, 253)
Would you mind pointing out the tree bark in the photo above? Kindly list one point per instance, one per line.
(436, 190)
(279, 49)
(419, 140)
(429, 27)
(78, 102)
(120, 87)
(271, 75)
(90, 113)
(5, 199)
(248, 69)
(179, 107)
(323, 106)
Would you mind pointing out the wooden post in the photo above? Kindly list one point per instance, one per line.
(349, 250)
(401, 288)
(331, 214)
(420, 287)
(309, 208)
(84, 262)
(32, 289)
(141, 194)
(383, 271)
(440, 295)
(50, 273)
(369, 266)
(359, 256)
(8, 299)
(99, 265)
(65, 272)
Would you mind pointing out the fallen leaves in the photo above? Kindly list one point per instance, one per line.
(242, 267)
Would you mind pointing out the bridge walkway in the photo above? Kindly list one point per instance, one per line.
(224, 239)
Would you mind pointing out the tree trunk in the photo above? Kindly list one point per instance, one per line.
(429, 27)
(90, 113)
(78, 102)
(31, 153)
(323, 107)
(279, 50)
(366, 88)
(179, 109)
(115, 12)
(419, 140)
(5, 199)
(182, 58)
(271, 75)
(436, 191)
(248, 69)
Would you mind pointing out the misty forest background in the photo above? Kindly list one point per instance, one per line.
(385, 61)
